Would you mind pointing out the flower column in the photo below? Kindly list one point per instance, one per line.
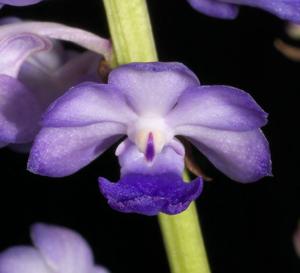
(133, 41)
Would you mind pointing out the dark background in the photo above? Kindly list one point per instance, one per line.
(247, 228)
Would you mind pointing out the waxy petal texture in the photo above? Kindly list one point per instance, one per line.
(152, 88)
(150, 188)
(243, 156)
(228, 9)
(62, 249)
(63, 151)
(22, 259)
(218, 107)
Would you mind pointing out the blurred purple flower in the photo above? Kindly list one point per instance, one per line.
(18, 2)
(228, 9)
(56, 250)
(296, 240)
(152, 103)
(37, 68)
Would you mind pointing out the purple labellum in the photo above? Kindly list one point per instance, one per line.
(150, 151)
(150, 194)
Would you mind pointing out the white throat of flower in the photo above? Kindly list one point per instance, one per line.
(150, 134)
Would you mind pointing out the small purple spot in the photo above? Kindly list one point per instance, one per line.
(150, 151)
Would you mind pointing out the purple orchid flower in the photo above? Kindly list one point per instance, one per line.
(152, 103)
(18, 2)
(56, 250)
(37, 68)
(228, 9)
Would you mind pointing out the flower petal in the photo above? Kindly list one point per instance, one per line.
(99, 269)
(80, 67)
(217, 107)
(215, 8)
(285, 9)
(15, 49)
(19, 2)
(62, 249)
(18, 117)
(62, 151)
(78, 36)
(88, 103)
(22, 259)
(243, 156)
(152, 87)
(150, 188)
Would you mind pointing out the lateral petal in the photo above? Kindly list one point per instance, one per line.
(217, 107)
(243, 156)
(63, 151)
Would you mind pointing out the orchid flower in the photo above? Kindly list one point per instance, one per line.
(56, 250)
(18, 2)
(37, 68)
(228, 9)
(151, 104)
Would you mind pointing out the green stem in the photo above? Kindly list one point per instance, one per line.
(131, 31)
(133, 41)
(183, 240)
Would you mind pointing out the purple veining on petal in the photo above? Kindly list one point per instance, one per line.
(150, 151)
